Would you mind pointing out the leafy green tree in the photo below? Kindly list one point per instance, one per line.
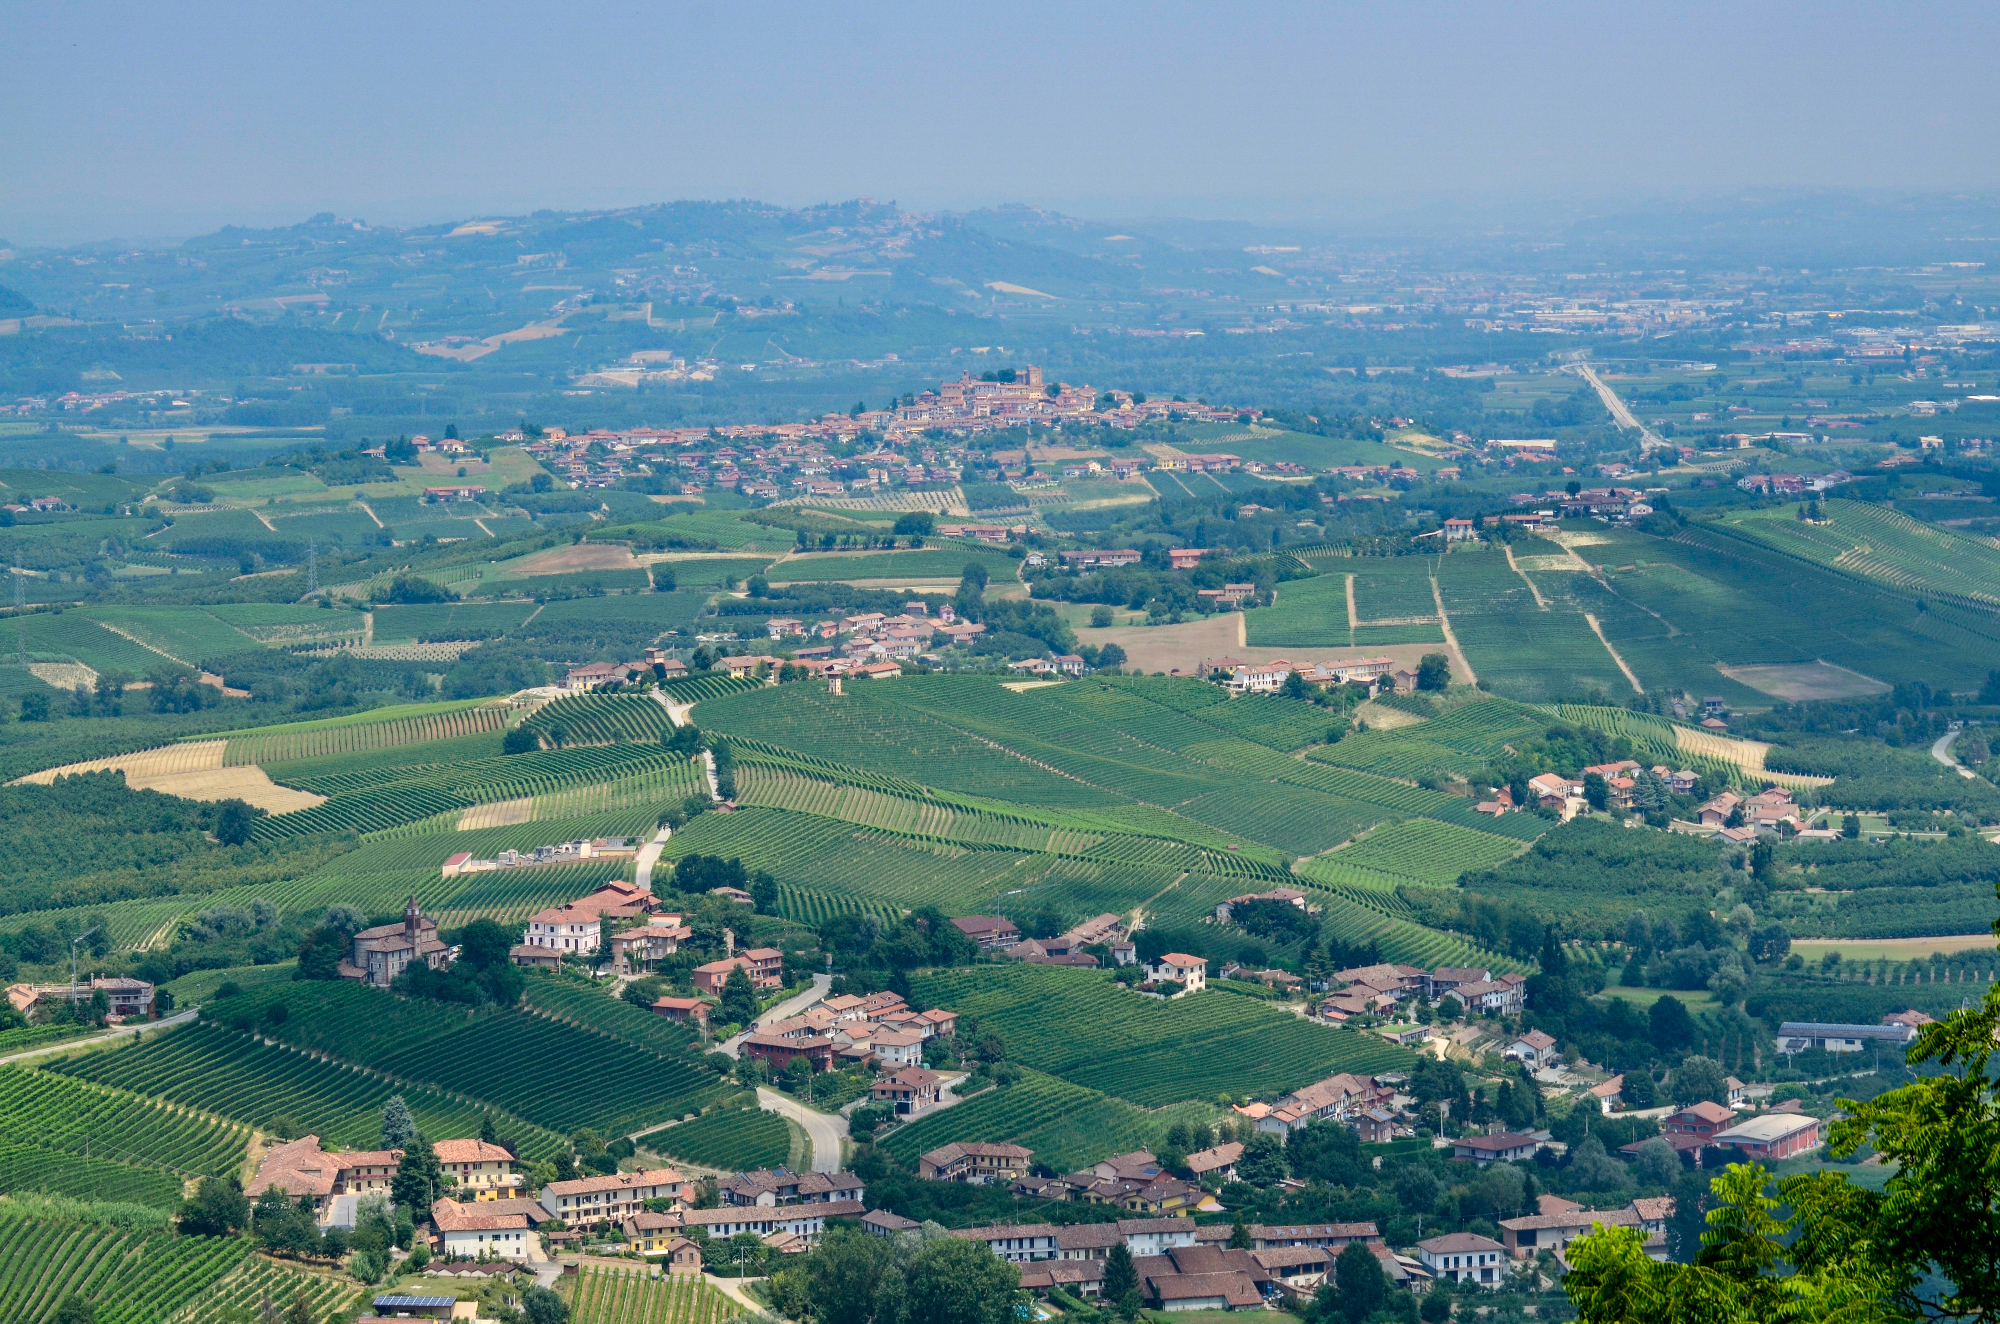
(1436, 1308)
(419, 1177)
(1263, 1160)
(844, 1275)
(233, 821)
(218, 1208)
(956, 1281)
(541, 1306)
(1699, 1078)
(74, 1310)
(1359, 1284)
(739, 998)
(320, 954)
(1669, 1025)
(1434, 672)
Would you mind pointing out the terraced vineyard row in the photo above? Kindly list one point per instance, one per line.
(59, 1114)
(307, 740)
(240, 1296)
(762, 784)
(1355, 917)
(589, 1005)
(620, 1296)
(735, 1140)
(1428, 851)
(714, 685)
(1078, 1025)
(32, 1168)
(550, 1073)
(994, 1115)
(221, 1071)
(367, 802)
(131, 1276)
(600, 719)
(1883, 545)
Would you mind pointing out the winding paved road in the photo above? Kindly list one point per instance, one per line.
(1941, 751)
(825, 1129)
(790, 1007)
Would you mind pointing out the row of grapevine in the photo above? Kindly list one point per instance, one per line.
(367, 802)
(632, 1296)
(1078, 1025)
(548, 1072)
(1429, 851)
(31, 1168)
(712, 685)
(236, 1075)
(58, 1114)
(733, 1139)
(280, 745)
(600, 719)
(591, 1007)
(130, 1275)
(241, 1296)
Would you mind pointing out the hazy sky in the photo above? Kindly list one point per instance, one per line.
(150, 119)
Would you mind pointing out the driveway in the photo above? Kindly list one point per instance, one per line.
(785, 1010)
(824, 1129)
(1941, 751)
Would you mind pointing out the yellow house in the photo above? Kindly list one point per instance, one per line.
(483, 1171)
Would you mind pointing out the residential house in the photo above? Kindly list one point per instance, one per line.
(977, 1163)
(1609, 1095)
(614, 1198)
(1190, 972)
(764, 965)
(302, 1169)
(800, 1222)
(882, 1223)
(128, 997)
(993, 933)
(1533, 1050)
(910, 1091)
(898, 1048)
(658, 1237)
(684, 1010)
(1097, 930)
(1505, 996)
(568, 929)
(471, 1233)
(485, 1171)
(1017, 1243)
(1218, 1162)
(782, 1186)
(1505, 1147)
(1375, 1126)
(1464, 1257)
(1334, 1099)
(779, 1052)
(1203, 1278)
(1326, 1236)
(1693, 1127)
(382, 953)
(1555, 1231)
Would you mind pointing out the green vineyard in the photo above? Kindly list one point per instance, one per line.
(221, 1071)
(388, 797)
(130, 1274)
(1078, 1025)
(734, 1140)
(1428, 851)
(620, 1296)
(1066, 1125)
(58, 1114)
(384, 728)
(546, 1071)
(589, 1007)
(241, 1296)
(600, 719)
(31, 1168)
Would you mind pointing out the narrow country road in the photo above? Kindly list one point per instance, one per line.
(823, 1129)
(790, 1007)
(649, 855)
(1941, 751)
(178, 1018)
